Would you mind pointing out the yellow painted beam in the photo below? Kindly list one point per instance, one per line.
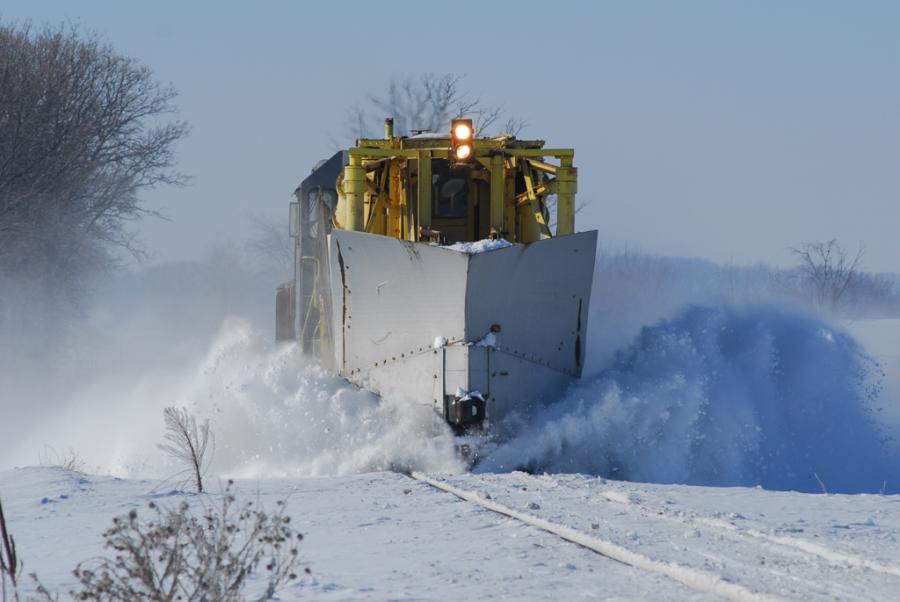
(354, 193)
(498, 194)
(398, 202)
(423, 189)
(567, 186)
(509, 202)
(543, 166)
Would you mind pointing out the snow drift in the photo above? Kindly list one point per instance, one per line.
(721, 396)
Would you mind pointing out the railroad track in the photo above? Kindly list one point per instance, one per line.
(697, 580)
(834, 557)
(788, 567)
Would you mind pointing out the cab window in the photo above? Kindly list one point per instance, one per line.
(449, 190)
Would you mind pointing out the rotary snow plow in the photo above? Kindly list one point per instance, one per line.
(435, 268)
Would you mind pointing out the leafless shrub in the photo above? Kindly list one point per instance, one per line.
(188, 443)
(828, 269)
(67, 460)
(10, 565)
(179, 555)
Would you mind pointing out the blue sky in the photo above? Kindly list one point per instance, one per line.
(724, 130)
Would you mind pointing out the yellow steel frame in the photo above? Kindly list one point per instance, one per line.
(376, 186)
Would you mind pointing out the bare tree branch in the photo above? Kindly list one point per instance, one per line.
(428, 102)
(828, 269)
(10, 565)
(270, 242)
(83, 132)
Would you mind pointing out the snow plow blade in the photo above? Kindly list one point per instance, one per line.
(474, 336)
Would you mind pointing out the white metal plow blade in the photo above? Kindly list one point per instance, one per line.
(423, 323)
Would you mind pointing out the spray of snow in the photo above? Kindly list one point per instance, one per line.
(721, 396)
(273, 414)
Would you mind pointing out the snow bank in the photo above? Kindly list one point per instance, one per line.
(479, 246)
(721, 396)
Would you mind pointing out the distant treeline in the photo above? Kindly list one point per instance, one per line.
(646, 279)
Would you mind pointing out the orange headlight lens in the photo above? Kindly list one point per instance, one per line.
(462, 131)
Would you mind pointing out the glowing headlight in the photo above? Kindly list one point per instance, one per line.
(462, 131)
(462, 139)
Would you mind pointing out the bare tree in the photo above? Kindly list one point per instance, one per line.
(828, 269)
(67, 460)
(188, 443)
(271, 243)
(83, 131)
(513, 126)
(428, 102)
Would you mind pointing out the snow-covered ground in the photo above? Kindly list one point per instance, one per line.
(384, 536)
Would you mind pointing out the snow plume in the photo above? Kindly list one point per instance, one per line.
(275, 414)
(721, 396)
(272, 412)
